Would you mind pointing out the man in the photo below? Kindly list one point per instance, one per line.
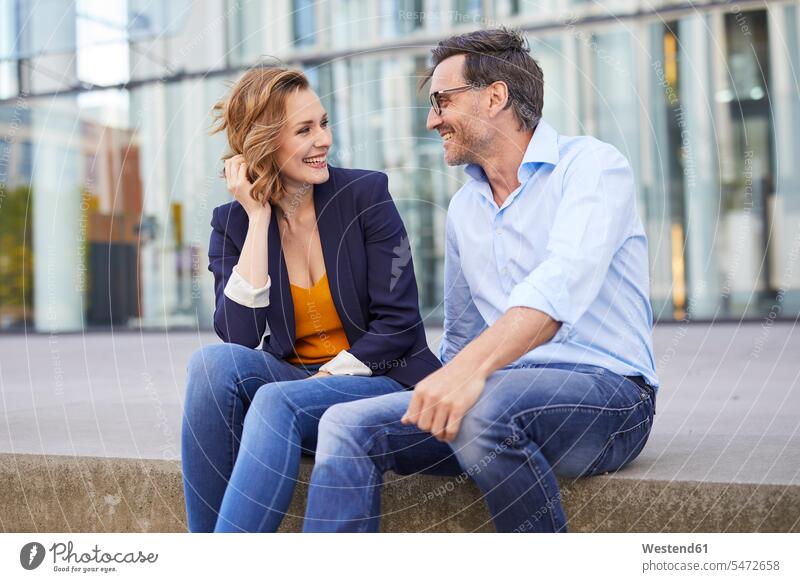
(547, 334)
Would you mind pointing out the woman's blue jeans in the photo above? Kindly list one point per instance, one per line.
(248, 417)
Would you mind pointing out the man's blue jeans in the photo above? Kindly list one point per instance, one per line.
(248, 416)
(530, 424)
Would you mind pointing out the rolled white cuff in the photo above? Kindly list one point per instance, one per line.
(346, 364)
(239, 290)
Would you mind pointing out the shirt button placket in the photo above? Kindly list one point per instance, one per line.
(500, 255)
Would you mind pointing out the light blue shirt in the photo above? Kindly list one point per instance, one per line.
(569, 242)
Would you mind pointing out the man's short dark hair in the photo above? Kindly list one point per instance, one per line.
(498, 54)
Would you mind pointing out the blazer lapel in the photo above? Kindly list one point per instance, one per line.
(281, 316)
(337, 259)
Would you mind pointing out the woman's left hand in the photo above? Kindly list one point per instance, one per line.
(319, 374)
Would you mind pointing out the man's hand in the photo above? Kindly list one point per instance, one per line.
(319, 374)
(440, 401)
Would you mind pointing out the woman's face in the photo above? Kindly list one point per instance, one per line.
(303, 154)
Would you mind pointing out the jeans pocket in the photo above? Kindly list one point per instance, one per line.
(623, 446)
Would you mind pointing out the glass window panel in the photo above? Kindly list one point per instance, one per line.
(747, 181)
(303, 22)
(134, 175)
(784, 206)
(546, 51)
(616, 100)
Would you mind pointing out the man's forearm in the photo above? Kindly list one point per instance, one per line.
(517, 332)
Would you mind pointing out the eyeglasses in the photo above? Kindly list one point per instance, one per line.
(437, 106)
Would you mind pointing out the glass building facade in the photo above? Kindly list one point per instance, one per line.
(108, 176)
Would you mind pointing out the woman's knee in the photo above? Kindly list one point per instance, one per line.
(273, 406)
(276, 410)
(342, 425)
(208, 361)
(210, 378)
(271, 398)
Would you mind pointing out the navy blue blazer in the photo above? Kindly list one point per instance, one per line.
(370, 272)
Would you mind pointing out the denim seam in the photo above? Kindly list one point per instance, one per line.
(518, 434)
(240, 381)
(368, 446)
(371, 441)
(647, 421)
(234, 395)
(309, 409)
(607, 447)
(540, 482)
(281, 480)
(233, 435)
(366, 520)
(554, 408)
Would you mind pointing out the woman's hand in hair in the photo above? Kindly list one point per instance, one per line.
(241, 188)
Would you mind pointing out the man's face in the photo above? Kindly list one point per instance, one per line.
(465, 135)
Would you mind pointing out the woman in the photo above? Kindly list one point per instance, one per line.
(316, 302)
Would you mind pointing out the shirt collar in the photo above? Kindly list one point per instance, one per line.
(542, 149)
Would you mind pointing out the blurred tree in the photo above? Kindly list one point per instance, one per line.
(16, 256)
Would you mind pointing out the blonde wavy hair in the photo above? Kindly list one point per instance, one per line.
(254, 115)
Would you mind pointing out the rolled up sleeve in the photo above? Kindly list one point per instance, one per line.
(346, 364)
(234, 320)
(242, 292)
(595, 216)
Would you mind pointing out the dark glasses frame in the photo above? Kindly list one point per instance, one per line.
(434, 97)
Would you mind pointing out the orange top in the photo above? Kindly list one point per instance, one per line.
(318, 329)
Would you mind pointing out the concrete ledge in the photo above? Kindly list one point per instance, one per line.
(93, 494)
(723, 454)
